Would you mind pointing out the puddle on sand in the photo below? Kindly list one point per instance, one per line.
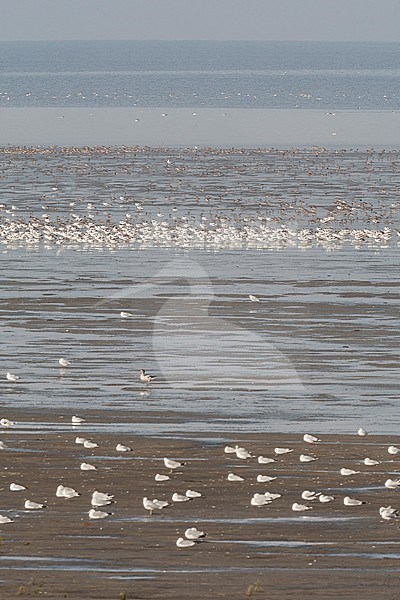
(248, 521)
(274, 543)
(368, 555)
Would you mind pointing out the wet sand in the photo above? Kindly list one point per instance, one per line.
(331, 551)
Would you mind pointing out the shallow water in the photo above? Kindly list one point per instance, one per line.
(238, 127)
(321, 347)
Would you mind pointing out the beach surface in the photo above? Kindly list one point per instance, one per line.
(249, 332)
(330, 551)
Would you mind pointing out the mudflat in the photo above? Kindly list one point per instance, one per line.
(329, 551)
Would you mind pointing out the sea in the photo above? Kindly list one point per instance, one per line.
(88, 74)
(318, 352)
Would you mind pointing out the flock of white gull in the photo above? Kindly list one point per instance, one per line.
(217, 232)
(192, 535)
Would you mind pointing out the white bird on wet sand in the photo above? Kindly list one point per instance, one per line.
(172, 464)
(361, 432)
(324, 498)
(15, 487)
(155, 504)
(308, 495)
(259, 500)
(182, 543)
(392, 484)
(125, 315)
(242, 453)
(310, 439)
(300, 507)
(98, 514)
(4, 519)
(145, 377)
(101, 498)
(388, 512)
(63, 362)
(193, 494)
(89, 444)
(272, 496)
(122, 448)
(307, 458)
(2, 445)
(66, 492)
(347, 501)
(160, 503)
(369, 462)
(253, 298)
(264, 478)
(77, 420)
(393, 450)
(87, 467)
(233, 477)
(179, 497)
(283, 450)
(33, 505)
(159, 477)
(229, 450)
(264, 460)
(6, 423)
(348, 472)
(194, 534)
(80, 440)
(11, 377)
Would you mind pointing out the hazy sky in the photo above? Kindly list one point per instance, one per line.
(339, 20)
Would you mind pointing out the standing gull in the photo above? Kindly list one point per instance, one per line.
(172, 464)
(145, 377)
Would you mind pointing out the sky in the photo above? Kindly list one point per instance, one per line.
(308, 20)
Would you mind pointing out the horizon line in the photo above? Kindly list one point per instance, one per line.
(301, 41)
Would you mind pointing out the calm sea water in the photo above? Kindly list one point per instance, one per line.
(200, 74)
